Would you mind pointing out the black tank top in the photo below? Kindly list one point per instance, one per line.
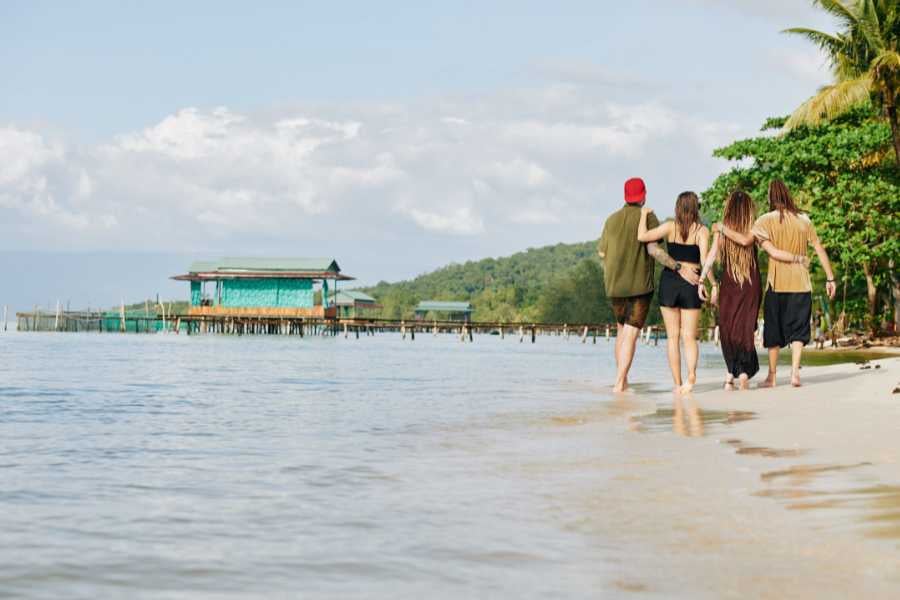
(689, 253)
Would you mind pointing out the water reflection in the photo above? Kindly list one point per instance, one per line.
(686, 418)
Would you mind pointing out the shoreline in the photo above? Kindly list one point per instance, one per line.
(781, 493)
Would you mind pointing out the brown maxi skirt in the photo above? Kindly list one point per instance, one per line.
(738, 312)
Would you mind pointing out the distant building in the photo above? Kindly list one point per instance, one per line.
(445, 311)
(354, 305)
(263, 286)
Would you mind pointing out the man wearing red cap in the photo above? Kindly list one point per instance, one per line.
(628, 273)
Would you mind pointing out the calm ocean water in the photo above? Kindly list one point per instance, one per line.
(163, 466)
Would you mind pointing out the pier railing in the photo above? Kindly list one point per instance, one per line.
(198, 324)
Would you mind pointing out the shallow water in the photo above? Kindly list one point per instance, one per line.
(170, 466)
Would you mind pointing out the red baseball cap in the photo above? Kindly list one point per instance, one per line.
(635, 190)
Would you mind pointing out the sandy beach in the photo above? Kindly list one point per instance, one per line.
(783, 493)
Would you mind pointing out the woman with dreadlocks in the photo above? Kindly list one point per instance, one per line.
(741, 290)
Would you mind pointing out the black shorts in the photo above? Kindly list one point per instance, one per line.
(632, 310)
(675, 292)
(787, 316)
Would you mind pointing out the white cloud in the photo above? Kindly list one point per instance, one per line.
(460, 221)
(480, 168)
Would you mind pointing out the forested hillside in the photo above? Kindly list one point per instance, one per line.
(561, 283)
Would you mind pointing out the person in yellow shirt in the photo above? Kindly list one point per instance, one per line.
(787, 306)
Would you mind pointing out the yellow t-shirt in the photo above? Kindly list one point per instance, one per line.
(794, 234)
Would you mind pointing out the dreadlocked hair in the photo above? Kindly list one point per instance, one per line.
(739, 216)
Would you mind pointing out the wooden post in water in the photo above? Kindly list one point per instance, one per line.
(122, 315)
(56, 319)
(607, 332)
(566, 331)
(584, 335)
(716, 335)
(533, 333)
(521, 333)
(5, 310)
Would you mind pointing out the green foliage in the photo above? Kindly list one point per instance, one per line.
(578, 297)
(864, 59)
(561, 283)
(839, 174)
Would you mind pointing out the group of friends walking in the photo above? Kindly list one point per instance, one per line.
(631, 242)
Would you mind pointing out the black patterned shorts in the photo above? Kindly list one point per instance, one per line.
(632, 310)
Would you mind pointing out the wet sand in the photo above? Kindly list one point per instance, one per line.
(783, 493)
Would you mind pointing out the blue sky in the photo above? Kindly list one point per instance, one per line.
(396, 136)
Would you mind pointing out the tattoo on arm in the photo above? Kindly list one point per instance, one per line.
(660, 255)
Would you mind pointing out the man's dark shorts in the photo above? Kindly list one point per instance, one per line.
(632, 310)
(787, 317)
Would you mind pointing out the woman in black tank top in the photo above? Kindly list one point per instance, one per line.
(687, 240)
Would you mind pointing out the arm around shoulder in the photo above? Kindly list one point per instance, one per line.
(656, 233)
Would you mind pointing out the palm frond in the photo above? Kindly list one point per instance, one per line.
(830, 102)
(841, 11)
(885, 73)
(826, 41)
(869, 24)
(887, 61)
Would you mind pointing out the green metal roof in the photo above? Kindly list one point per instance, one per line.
(438, 306)
(266, 264)
(351, 297)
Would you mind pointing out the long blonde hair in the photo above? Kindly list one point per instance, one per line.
(739, 215)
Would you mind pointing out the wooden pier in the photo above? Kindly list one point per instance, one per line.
(243, 324)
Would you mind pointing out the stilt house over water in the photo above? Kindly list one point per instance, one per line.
(271, 287)
(353, 304)
(450, 311)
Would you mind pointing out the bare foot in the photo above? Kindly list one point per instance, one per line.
(744, 381)
(795, 380)
(769, 381)
(729, 386)
(620, 387)
(688, 387)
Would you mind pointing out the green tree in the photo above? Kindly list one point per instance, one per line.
(578, 297)
(505, 289)
(864, 60)
(838, 175)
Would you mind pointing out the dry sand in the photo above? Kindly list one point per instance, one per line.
(782, 493)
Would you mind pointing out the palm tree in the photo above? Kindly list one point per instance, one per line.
(864, 59)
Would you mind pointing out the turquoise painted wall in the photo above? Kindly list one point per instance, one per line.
(292, 293)
(195, 293)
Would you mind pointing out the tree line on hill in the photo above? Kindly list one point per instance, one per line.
(553, 284)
